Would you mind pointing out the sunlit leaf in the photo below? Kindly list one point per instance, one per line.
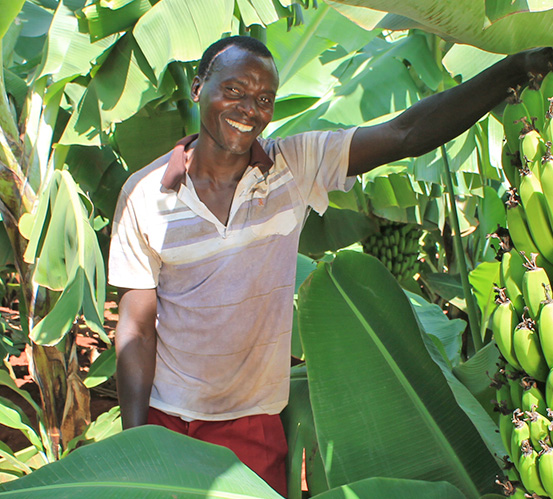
(528, 23)
(148, 460)
(173, 30)
(9, 9)
(106, 20)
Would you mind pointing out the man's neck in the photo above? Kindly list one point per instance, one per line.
(216, 165)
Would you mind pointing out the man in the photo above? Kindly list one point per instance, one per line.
(205, 240)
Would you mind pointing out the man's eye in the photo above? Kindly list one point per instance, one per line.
(233, 90)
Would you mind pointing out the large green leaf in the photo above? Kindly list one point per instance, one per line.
(336, 229)
(64, 248)
(475, 23)
(394, 489)
(148, 461)
(69, 52)
(173, 30)
(9, 9)
(105, 20)
(384, 400)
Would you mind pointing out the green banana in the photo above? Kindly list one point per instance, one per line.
(511, 271)
(534, 102)
(539, 428)
(514, 377)
(505, 424)
(532, 397)
(532, 149)
(535, 206)
(534, 283)
(545, 328)
(545, 468)
(511, 165)
(517, 224)
(549, 389)
(546, 179)
(504, 321)
(528, 350)
(503, 391)
(520, 434)
(528, 469)
(515, 117)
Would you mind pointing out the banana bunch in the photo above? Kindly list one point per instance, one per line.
(522, 323)
(528, 166)
(397, 247)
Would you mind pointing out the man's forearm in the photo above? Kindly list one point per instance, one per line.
(441, 117)
(136, 356)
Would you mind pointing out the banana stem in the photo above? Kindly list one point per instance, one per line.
(460, 253)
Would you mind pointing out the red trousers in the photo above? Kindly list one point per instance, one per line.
(258, 441)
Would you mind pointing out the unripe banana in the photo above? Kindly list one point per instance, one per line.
(546, 179)
(520, 434)
(505, 424)
(515, 117)
(545, 467)
(511, 165)
(504, 322)
(532, 397)
(518, 227)
(534, 284)
(528, 350)
(534, 102)
(545, 328)
(535, 207)
(511, 271)
(528, 469)
(514, 377)
(549, 389)
(532, 148)
(539, 428)
(503, 392)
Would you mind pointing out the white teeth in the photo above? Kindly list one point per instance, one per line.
(239, 126)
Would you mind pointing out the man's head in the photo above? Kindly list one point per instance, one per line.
(248, 43)
(236, 89)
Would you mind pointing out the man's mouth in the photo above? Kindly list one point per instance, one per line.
(239, 126)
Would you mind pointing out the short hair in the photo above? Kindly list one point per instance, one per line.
(248, 43)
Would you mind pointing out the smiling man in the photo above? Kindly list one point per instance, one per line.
(205, 241)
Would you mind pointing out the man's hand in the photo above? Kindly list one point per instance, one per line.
(533, 62)
(135, 344)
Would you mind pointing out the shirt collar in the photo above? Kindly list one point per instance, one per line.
(180, 160)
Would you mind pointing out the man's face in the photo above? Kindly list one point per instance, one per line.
(237, 99)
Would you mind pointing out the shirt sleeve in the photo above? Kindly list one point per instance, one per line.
(132, 262)
(319, 163)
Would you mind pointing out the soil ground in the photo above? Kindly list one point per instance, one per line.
(89, 347)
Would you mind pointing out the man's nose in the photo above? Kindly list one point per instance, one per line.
(248, 106)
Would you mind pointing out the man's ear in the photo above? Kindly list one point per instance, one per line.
(195, 88)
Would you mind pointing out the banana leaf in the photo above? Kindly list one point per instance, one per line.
(482, 24)
(148, 461)
(180, 31)
(381, 406)
(9, 9)
(394, 489)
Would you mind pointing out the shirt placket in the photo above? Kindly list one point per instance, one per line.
(252, 181)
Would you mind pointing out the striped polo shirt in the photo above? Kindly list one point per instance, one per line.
(224, 292)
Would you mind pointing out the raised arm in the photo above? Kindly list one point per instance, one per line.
(439, 118)
(135, 343)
